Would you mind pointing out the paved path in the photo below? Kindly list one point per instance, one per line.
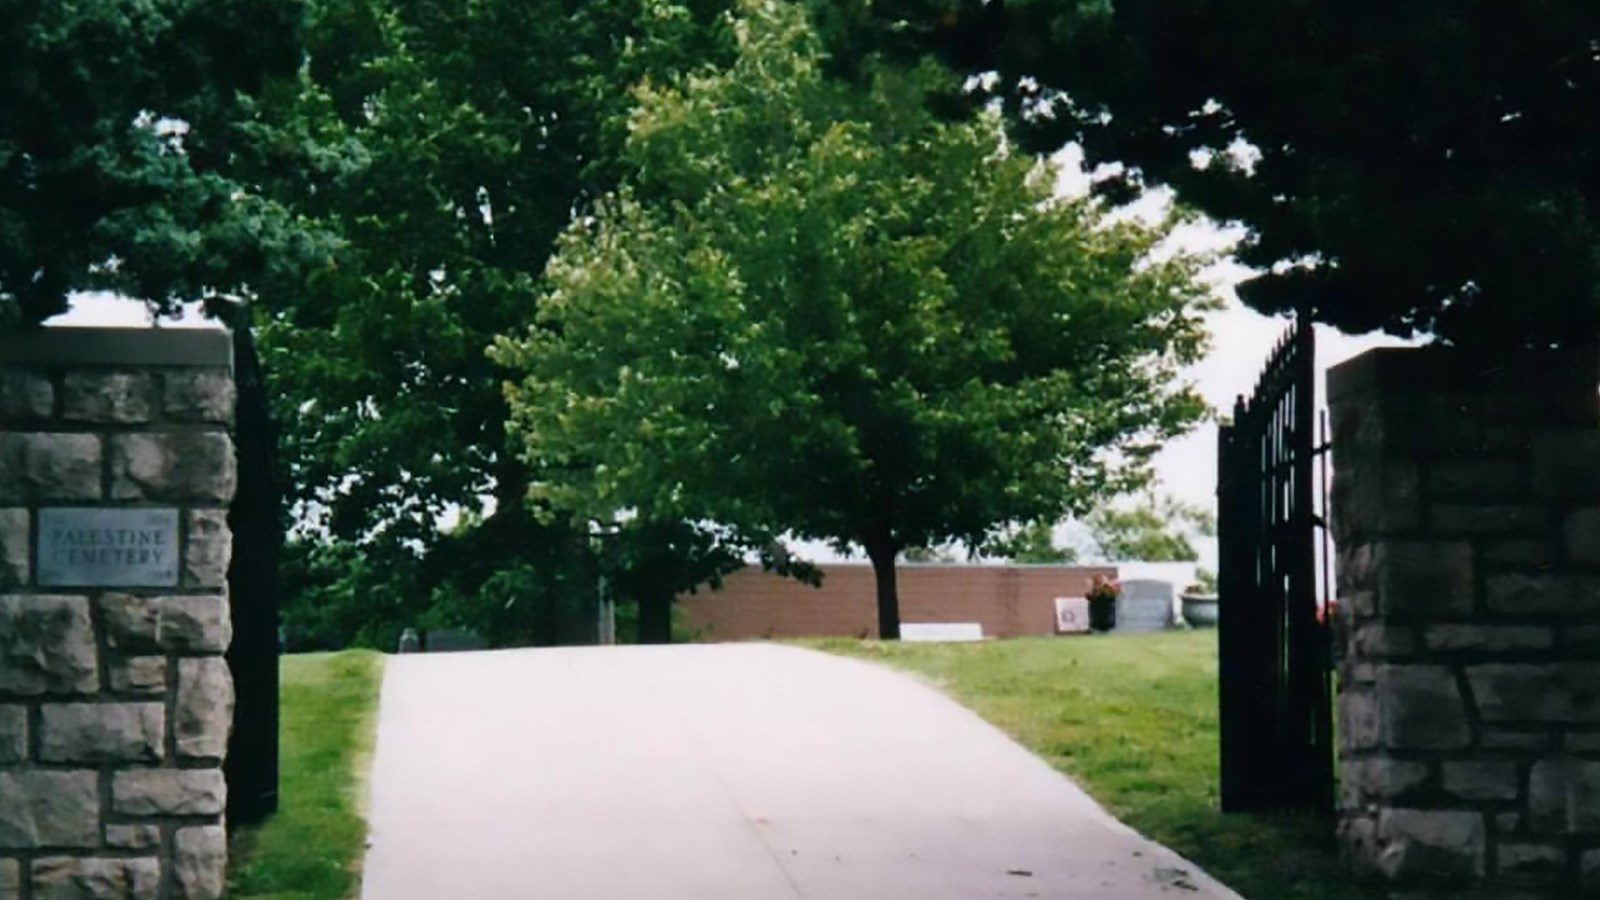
(745, 772)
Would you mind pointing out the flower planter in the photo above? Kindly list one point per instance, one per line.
(1102, 614)
(1200, 610)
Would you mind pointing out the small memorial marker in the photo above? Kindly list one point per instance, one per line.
(941, 631)
(107, 547)
(1072, 615)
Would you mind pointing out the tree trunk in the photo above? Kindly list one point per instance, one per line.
(655, 618)
(883, 556)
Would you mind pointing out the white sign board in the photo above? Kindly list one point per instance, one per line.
(1072, 615)
(107, 547)
(1145, 605)
(941, 631)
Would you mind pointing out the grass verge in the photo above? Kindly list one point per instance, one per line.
(1133, 719)
(311, 849)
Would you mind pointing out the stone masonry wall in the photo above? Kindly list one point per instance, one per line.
(1467, 518)
(115, 703)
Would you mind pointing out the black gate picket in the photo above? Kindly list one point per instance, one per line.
(255, 518)
(1274, 646)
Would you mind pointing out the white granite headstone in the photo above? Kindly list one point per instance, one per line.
(1072, 615)
(941, 631)
(1145, 605)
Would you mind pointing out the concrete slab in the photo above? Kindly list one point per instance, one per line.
(748, 771)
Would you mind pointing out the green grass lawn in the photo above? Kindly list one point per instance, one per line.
(311, 850)
(1133, 719)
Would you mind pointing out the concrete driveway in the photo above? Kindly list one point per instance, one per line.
(746, 772)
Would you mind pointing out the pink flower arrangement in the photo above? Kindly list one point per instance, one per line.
(1102, 587)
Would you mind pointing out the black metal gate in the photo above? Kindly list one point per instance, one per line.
(256, 520)
(1274, 645)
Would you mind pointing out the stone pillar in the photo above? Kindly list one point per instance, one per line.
(116, 469)
(1466, 511)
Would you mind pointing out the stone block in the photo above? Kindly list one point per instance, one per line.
(13, 734)
(1488, 638)
(1542, 595)
(133, 837)
(48, 467)
(209, 549)
(1405, 425)
(1507, 822)
(1509, 739)
(26, 395)
(1564, 464)
(1358, 843)
(1376, 499)
(1585, 742)
(1583, 685)
(1555, 405)
(1581, 637)
(16, 565)
(204, 711)
(1362, 781)
(198, 395)
(1431, 845)
(1420, 580)
(1519, 552)
(1564, 796)
(115, 397)
(1531, 863)
(1472, 520)
(47, 646)
(1358, 719)
(102, 732)
(176, 466)
(1580, 533)
(1518, 692)
(49, 808)
(1481, 780)
(1477, 479)
(184, 624)
(1385, 640)
(138, 674)
(169, 792)
(10, 879)
(1589, 870)
(87, 878)
(1420, 708)
(200, 862)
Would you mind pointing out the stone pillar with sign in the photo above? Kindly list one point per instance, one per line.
(116, 470)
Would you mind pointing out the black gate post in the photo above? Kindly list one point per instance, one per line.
(255, 519)
(1274, 685)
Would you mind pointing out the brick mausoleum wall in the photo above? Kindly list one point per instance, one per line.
(1009, 601)
(115, 703)
(1467, 517)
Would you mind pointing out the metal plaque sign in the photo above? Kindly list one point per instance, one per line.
(107, 547)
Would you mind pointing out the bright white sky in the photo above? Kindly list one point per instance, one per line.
(1185, 468)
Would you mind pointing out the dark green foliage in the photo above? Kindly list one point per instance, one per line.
(444, 143)
(1432, 166)
(115, 122)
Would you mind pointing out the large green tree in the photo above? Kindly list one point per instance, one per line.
(814, 307)
(444, 144)
(116, 120)
(1426, 166)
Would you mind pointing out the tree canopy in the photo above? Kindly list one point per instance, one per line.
(115, 122)
(815, 307)
(443, 144)
(1423, 167)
